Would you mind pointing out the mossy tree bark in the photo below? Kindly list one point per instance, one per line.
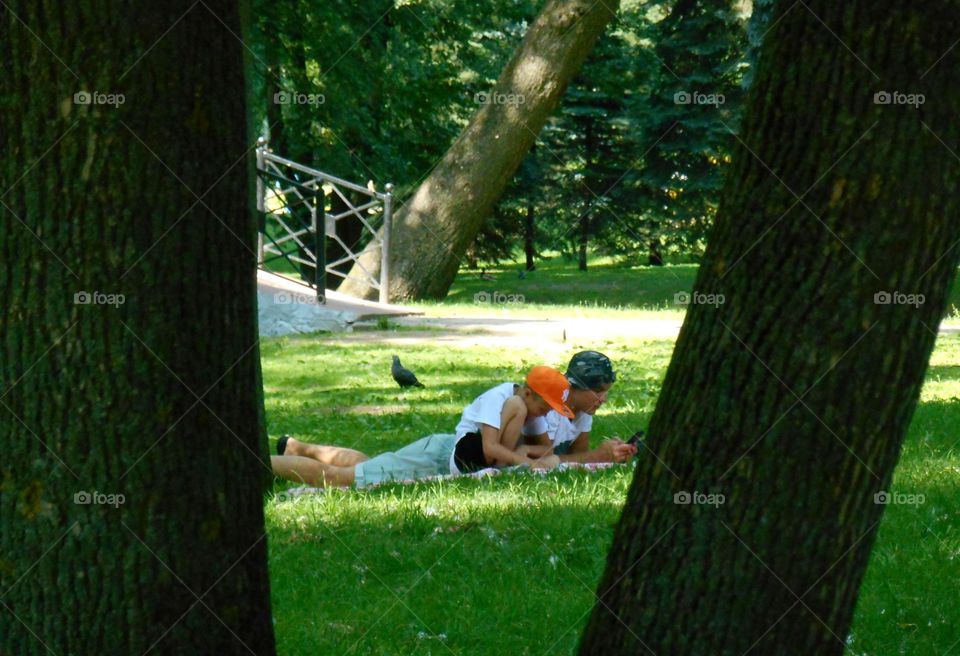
(432, 231)
(134, 450)
(792, 397)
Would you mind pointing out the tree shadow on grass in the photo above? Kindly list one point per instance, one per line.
(483, 566)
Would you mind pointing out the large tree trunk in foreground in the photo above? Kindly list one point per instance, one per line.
(432, 231)
(134, 454)
(793, 397)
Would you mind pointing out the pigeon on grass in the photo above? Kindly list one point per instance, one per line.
(403, 376)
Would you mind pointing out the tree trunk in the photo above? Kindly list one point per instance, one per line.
(791, 398)
(131, 415)
(582, 240)
(654, 257)
(432, 231)
(529, 234)
(590, 157)
(471, 257)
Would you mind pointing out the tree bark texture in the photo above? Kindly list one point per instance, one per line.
(792, 387)
(131, 421)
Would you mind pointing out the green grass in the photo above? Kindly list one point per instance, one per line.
(908, 603)
(606, 289)
(503, 566)
(508, 565)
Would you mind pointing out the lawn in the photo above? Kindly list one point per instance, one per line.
(508, 565)
(608, 289)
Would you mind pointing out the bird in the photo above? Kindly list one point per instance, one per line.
(404, 377)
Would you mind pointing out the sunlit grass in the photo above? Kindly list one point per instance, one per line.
(556, 287)
(507, 565)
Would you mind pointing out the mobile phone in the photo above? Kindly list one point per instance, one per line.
(636, 438)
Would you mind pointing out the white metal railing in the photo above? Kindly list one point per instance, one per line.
(291, 197)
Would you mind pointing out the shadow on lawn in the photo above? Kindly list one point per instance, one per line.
(452, 555)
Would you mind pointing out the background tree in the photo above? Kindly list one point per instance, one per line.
(397, 90)
(434, 229)
(654, 190)
(587, 148)
(395, 84)
(792, 397)
(699, 46)
(155, 396)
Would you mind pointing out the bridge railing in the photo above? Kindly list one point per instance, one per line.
(295, 223)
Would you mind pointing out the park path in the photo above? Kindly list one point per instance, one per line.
(556, 334)
(574, 328)
(547, 337)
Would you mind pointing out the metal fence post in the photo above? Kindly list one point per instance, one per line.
(385, 244)
(320, 247)
(261, 192)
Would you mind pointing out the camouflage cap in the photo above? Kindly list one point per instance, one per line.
(590, 370)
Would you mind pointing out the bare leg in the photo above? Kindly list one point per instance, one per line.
(307, 470)
(329, 455)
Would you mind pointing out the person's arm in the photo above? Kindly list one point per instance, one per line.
(495, 441)
(534, 450)
(612, 450)
(537, 446)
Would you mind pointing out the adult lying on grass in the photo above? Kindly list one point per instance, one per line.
(591, 376)
(488, 435)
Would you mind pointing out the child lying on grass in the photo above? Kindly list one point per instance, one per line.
(488, 435)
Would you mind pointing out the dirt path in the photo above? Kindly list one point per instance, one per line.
(547, 335)
(550, 338)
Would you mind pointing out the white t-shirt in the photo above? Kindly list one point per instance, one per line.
(486, 409)
(560, 429)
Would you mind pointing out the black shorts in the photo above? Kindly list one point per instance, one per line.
(468, 454)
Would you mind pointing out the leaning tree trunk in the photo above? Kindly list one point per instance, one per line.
(433, 230)
(131, 425)
(792, 397)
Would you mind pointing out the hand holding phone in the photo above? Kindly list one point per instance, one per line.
(636, 438)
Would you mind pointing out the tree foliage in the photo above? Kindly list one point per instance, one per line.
(620, 166)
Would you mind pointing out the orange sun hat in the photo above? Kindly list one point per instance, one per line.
(553, 386)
